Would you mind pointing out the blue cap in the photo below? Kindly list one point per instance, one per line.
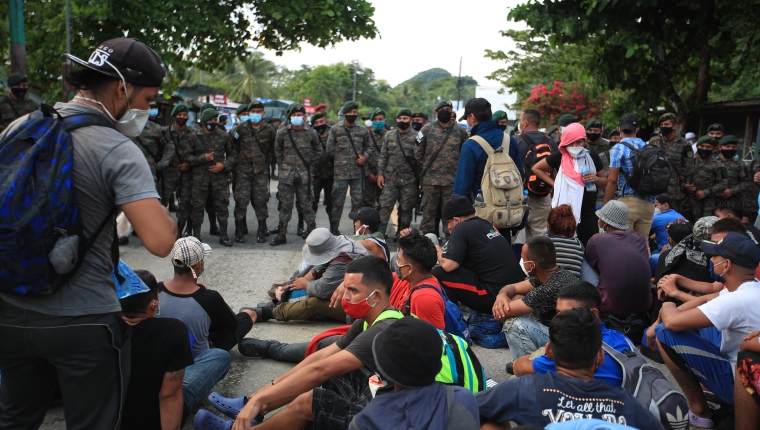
(738, 248)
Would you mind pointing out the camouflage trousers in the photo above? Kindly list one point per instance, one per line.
(340, 187)
(371, 195)
(184, 195)
(217, 191)
(327, 185)
(169, 184)
(300, 190)
(250, 187)
(406, 196)
(433, 199)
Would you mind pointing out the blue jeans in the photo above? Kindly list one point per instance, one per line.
(209, 368)
(526, 335)
(590, 275)
(653, 259)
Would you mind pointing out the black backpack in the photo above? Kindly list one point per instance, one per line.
(536, 152)
(651, 170)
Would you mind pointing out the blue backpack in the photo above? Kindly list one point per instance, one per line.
(452, 316)
(41, 236)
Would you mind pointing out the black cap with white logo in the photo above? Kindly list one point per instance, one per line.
(137, 63)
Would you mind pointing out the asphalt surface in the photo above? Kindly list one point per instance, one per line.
(243, 274)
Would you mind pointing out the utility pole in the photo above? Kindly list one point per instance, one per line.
(459, 80)
(66, 66)
(18, 39)
(354, 96)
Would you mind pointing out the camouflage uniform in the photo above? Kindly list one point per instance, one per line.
(399, 169)
(706, 175)
(346, 171)
(10, 110)
(372, 191)
(206, 185)
(151, 143)
(294, 175)
(679, 151)
(439, 172)
(602, 149)
(322, 176)
(254, 149)
(750, 195)
(169, 178)
(736, 179)
(184, 145)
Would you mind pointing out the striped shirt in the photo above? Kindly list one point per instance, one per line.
(569, 253)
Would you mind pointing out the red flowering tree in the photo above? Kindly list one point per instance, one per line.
(560, 98)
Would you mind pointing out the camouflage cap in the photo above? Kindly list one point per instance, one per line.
(443, 104)
(180, 107)
(209, 114)
(241, 109)
(702, 228)
(349, 106)
(667, 117)
(715, 127)
(256, 105)
(594, 123)
(566, 119)
(706, 139)
(499, 115)
(205, 106)
(376, 112)
(419, 114)
(729, 140)
(404, 112)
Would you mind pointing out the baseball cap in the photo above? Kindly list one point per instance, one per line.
(128, 58)
(368, 216)
(629, 122)
(736, 247)
(189, 251)
(476, 105)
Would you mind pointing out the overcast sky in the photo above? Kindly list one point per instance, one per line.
(435, 33)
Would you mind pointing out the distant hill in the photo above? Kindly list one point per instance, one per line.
(429, 75)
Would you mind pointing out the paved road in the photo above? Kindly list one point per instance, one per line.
(243, 274)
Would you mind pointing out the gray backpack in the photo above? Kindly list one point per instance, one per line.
(650, 387)
(460, 417)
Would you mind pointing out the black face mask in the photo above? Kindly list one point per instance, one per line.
(502, 127)
(728, 153)
(402, 125)
(20, 93)
(593, 136)
(704, 153)
(350, 119)
(181, 121)
(210, 126)
(665, 131)
(444, 116)
(320, 128)
(417, 126)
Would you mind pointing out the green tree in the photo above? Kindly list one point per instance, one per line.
(250, 76)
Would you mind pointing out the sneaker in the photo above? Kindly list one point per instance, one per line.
(254, 348)
(699, 422)
(510, 368)
(227, 406)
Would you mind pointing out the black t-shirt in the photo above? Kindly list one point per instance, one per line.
(588, 206)
(358, 341)
(477, 246)
(159, 345)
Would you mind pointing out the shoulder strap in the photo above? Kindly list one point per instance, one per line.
(385, 315)
(408, 305)
(449, 403)
(403, 153)
(144, 148)
(293, 142)
(351, 139)
(633, 148)
(374, 142)
(483, 144)
(438, 151)
(258, 142)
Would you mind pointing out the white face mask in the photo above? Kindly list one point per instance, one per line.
(601, 230)
(132, 123)
(359, 231)
(575, 151)
(522, 266)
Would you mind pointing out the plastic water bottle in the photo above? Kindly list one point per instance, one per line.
(584, 172)
(525, 198)
(479, 197)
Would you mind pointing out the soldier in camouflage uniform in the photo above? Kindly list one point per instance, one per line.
(213, 228)
(678, 150)
(601, 147)
(734, 172)
(151, 143)
(323, 108)
(437, 151)
(254, 149)
(212, 157)
(376, 137)
(397, 175)
(703, 181)
(296, 148)
(16, 103)
(419, 120)
(177, 176)
(322, 169)
(716, 131)
(349, 153)
(750, 207)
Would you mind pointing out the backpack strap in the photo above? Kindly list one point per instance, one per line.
(408, 305)
(625, 175)
(483, 144)
(449, 404)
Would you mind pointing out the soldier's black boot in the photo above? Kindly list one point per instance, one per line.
(214, 229)
(275, 230)
(334, 228)
(223, 238)
(239, 238)
(180, 227)
(261, 234)
(196, 231)
(299, 228)
(309, 228)
(280, 238)
(244, 226)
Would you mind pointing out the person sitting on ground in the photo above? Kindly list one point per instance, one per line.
(161, 358)
(561, 228)
(625, 288)
(407, 355)
(708, 356)
(675, 234)
(580, 295)
(368, 234)
(478, 260)
(677, 263)
(532, 303)
(667, 215)
(747, 383)
(575, 346)
(731, 210)
(330, 387)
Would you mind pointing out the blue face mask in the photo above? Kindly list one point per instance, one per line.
(715, 276)
(153, 112)
(296, 120)
(378, 125)
(255, 117)
(244, 118)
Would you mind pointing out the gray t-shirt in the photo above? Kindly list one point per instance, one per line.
(109, 170)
